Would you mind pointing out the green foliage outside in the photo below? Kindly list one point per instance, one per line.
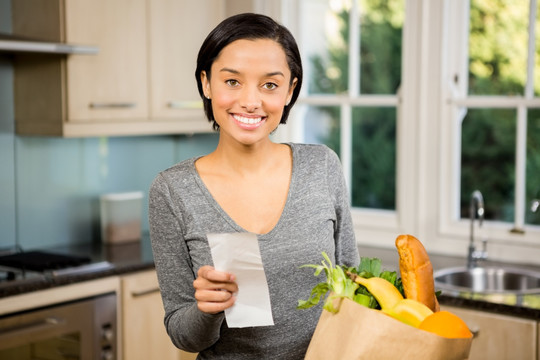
(497, 51)
(498, 66)
(374, 129)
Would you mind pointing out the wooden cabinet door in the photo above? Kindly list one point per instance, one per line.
(499, 337)
(177, 30)
(144, 335)
(114, 83)
(538, 342)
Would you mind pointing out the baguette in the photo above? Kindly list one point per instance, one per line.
(416, 271)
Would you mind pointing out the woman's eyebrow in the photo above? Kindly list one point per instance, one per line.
(229, 70)
(233, 71)
(275, 73)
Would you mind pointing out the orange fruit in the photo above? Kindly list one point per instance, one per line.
(446, 324)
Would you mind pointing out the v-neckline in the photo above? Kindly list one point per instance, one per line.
(226, 216)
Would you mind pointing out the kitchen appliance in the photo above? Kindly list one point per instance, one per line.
(41, 261)
(27, 265)
(77, 330)
(82, 329)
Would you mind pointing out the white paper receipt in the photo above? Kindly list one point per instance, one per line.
(238, 253)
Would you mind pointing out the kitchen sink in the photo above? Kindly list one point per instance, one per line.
(488, 280)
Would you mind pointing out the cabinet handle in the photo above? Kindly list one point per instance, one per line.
(112, 105)
(185, 104)
(145, 292)
(42, 326)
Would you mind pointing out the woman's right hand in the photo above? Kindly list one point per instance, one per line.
(214, 290)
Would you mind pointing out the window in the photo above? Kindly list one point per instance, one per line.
(496, 107)
(426, 101)
(352, 59)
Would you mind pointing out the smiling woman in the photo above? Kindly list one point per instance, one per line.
(291, 196)
(250, 86)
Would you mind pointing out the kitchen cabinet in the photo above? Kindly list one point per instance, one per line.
(140, 82)
(144, 335)
(499, 336)
(173, 49)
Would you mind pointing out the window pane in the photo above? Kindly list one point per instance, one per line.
(380, 45)
(374, 158)
(537, 56)
(498, 47)
(325, 27)
(533, 166)
(325, 43)
(488, 161)
(321, 126)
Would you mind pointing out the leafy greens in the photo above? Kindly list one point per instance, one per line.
(340, 285)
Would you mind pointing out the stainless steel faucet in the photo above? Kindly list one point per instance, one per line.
(535, 203)
(476, 210)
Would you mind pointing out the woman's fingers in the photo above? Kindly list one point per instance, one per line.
(214, 290)
(211, 274)
(210, 279)
(214, 307)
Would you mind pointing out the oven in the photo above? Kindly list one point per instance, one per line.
(81, 329)
(78, 330)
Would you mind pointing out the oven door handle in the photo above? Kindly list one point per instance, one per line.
(42, 325)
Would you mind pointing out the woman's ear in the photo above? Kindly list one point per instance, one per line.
(206, 85)
(291, 91)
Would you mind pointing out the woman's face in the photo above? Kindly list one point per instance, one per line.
(250, 84)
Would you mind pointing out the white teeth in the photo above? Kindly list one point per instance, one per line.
(246, 120)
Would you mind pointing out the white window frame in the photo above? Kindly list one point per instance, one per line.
(372, 226)
(455, 100)
(363, 218)
(435, 49)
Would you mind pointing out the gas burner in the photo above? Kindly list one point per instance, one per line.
(41, 261)
(7, 275)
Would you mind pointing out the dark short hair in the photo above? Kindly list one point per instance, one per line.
(247, 26)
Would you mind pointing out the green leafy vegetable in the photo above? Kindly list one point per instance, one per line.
(370, 266)
(340, 285)
(337, 282)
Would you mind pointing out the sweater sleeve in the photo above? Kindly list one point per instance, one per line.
(189, 329)
(346, 247)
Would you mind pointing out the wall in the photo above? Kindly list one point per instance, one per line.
(50, 187)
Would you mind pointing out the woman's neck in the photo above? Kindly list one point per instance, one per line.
(253, 158)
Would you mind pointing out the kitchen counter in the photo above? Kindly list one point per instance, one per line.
(137, 256)
(527, 307)
(119, 259)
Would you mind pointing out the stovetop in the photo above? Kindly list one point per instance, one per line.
(106, 260)
(41, 261)
(24, 265)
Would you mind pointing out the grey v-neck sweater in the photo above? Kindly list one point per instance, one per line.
(316, 218)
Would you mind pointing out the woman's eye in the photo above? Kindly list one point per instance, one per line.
(269, 86)
(232, 83)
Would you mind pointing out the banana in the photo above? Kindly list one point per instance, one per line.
(386, 294)
(409, 311)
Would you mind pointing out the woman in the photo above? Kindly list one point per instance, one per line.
(293, 196)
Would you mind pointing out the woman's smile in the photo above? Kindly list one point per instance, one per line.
(249, 121)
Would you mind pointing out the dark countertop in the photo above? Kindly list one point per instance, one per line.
(137, 256)
(124, 259)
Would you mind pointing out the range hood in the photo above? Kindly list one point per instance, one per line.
(12, 43)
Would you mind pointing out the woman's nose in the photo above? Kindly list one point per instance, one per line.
(251, 99)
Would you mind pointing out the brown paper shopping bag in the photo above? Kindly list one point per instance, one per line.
(357, 332)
